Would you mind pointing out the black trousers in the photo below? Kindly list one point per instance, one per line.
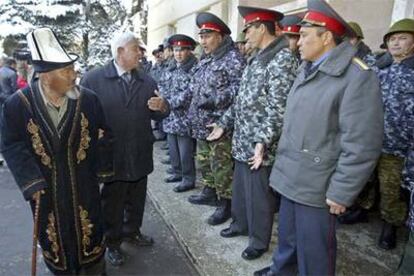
(123, 205)
(253, 204)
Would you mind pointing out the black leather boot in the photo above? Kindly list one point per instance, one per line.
(264, 272)
(139, 239)
(181, 188)
(172, 179)
(207, 197)
(388, 238)
(222, 213)
(229, 232)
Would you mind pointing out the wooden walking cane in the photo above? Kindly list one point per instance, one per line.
(35, 233)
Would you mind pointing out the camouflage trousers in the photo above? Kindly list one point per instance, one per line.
(393, 208)
(366, 199)
(215, 164)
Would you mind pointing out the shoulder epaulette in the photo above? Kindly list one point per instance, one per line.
(360, 63)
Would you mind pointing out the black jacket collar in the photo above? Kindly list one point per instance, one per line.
(226, 46)
(386, 60)
(110, 72)
(189, 63)
(409, 62)
(363, 50)
(271, 50)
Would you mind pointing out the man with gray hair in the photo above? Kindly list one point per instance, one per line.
(58, 146)
(130, 101)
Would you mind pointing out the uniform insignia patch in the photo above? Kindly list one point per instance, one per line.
(360, 63)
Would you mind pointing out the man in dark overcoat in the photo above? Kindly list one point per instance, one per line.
(129, 102)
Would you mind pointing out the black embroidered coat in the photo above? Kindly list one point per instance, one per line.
(66, 163)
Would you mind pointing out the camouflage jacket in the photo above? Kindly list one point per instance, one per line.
(257, 111)
(406, 93)
(164, 79)
(397, 85)
(365, 53)
(179, 98)
(146, 65)
(214, 84)
(156, 71)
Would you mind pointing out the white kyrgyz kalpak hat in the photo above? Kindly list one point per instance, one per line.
(47, 52)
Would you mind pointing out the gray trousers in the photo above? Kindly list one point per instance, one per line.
(182, 157)
(307, 240)
(253, 204)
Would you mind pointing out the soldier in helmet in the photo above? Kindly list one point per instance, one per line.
(407, 262)
(395, 71)
(364, 52)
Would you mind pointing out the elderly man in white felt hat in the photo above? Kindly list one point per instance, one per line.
(57, 146)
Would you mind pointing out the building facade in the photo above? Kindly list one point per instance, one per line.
(167, 17)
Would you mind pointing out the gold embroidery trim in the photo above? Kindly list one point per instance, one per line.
(38, 145)
(106, 174)
(85, 139)
(52, 236)
(87, 232)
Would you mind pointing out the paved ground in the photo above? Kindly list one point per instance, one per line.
(166, 257)
(213, 255)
